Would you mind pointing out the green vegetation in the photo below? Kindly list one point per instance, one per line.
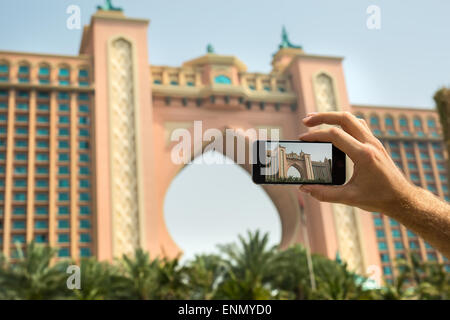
(295, 179)
(247, 269)
(442, 100)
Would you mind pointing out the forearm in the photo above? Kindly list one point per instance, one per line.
(426, 215)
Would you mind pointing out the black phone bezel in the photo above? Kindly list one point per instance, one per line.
(338, 172)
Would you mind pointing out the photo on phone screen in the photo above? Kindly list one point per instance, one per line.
(298, 162)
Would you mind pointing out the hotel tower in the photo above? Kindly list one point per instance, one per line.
(85, 145)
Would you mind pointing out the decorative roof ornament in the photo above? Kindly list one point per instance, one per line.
(108, 6)
(210, 48)
(285, 43)
(338, 258)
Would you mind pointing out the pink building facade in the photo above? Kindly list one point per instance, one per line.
(85, 148)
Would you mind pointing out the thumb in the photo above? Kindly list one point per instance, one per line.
(324, 192)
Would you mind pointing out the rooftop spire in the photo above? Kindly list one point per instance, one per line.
(108, 6)
(285, 43)
(210, 48)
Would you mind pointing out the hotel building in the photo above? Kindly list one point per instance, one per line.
(85, 144)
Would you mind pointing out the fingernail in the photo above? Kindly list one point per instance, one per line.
(302, 135)
(310, 114)
(304, 189)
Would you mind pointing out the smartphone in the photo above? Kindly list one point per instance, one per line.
(297, 162)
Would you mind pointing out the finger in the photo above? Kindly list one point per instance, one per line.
(348, 122)
(338, 137)
(364, 123)
(324, 192)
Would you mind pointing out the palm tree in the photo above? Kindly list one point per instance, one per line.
(138, 276)
(205, 273)
(32, 276)
(99, 281)
(336, 282)
(250, 266)
(293, 276)
(172, 280)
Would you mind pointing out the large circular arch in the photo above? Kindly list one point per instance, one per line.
(212, 203)
(284, 198)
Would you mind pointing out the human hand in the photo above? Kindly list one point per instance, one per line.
(376, 184)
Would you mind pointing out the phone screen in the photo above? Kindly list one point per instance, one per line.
(299, 162)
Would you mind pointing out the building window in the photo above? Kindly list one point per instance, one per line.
(83, 96)
(18, 238)
(84, 170)
(63, 183)
(63, 95)
(63, 107)
(84, 157)
(85, 210)
(63, 210)
(63, 196)
(83, 120)
(63, 119)
(42, 157)
(63, 157)
(64, 132)
(380, 234)
(41, 183)
(41, 196)
(83, 73)
(63, 144)
(18, 225)
(382, 245)
(40, 238)
(387, 270)
(222, 79)
(63, 224)
(43, 132)
(43, 107)
(431, 256)
(431, 123)
(417, 123)
(63, 238)
(41, 210)
(85, 252)
(41, 224)
(19, 210)
(396, 233)
(20, 156)
(84, 145)
(84, 183)
(83, 108)
(4, 68)
(20, 183)
(63, 253)
(85, 238)
(85, 224)
(410, 234)
(22, 118)
(20, 170)
(398, 245)
(63, 170)
(413, 245)
(44, 71)
(64, 72)
(384, 257)
(84, 196)
(42, 170)
(393, 222)
(374, 120)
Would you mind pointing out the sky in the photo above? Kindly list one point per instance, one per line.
(401, 64)
(318, 151)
